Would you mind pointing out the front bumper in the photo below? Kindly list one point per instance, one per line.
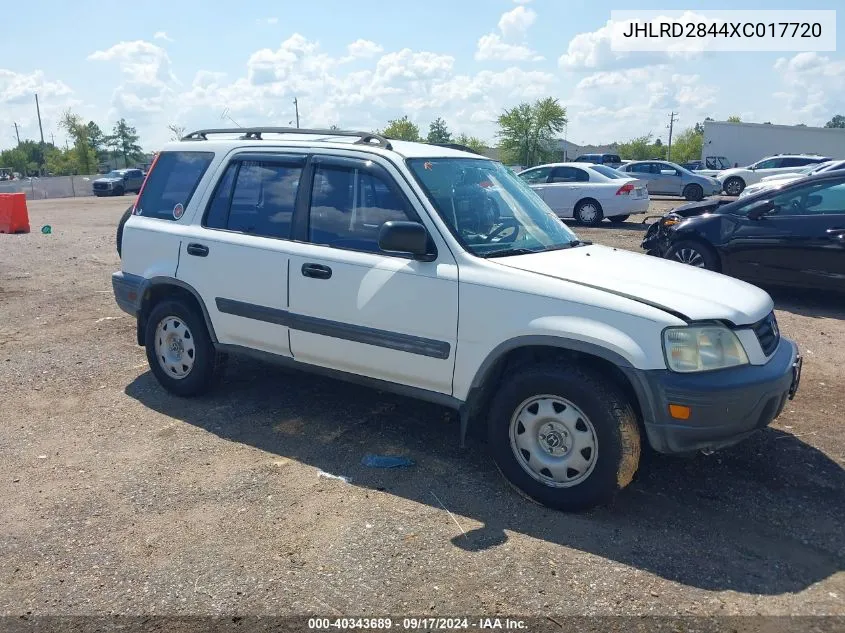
(726, 405)
(656, 240)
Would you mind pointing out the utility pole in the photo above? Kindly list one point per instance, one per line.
(17, 134)
(672, 119)
(38, 110)
(52, 138)
(296, 105)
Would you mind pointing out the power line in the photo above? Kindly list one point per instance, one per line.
(672, 119)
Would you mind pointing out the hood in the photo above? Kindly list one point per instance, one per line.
(697, 294)
(699, 208)
(109, 179)
(777, 177)
(733, 171)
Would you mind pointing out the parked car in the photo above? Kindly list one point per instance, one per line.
(118, 182)
(588, 193)
(777, 180)
(610, 160)
(353, 255)
(734, 180)
(669, 179)
(710, 166)
(793, 235)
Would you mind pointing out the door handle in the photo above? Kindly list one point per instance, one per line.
(316, 271)
(200, 250)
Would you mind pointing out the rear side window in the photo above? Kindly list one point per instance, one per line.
(255, 197)
(172, 183)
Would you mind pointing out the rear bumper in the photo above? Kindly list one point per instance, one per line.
(128, 292)
(726, 405)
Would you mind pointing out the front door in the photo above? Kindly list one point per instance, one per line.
(564, 189)
(358, 309)
(800, 242)
(667, 179)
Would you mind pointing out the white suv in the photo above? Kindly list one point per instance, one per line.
(736, 179)
(439, 274)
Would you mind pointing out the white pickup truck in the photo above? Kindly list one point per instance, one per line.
(439, 274)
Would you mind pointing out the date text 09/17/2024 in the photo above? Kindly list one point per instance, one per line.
(422, 623)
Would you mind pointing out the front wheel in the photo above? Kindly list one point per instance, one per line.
(179, 350)
(693, 193)
(119, 191)
(693, 253)
(589, 213)
(564, 436)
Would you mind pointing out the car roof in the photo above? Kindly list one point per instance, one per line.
(569, 164)
(787, 186)
(224, 140)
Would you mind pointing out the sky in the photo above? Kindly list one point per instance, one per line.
(359, 63)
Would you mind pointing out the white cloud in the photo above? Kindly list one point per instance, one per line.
(364, 48)
(268, 21)
(162, 35)
(813, 87)
(521, 1)
(514, 23)
(16, 88)
(17, 104)
(491, 47)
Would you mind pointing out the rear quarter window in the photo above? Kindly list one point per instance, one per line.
(172, 182)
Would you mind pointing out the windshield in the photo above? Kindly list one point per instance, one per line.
(114, 174)
(489, 209)
(608, 171)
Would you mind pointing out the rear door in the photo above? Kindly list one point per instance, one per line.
(646, 172)
(237, 256)
(564, 189)
(356, 308)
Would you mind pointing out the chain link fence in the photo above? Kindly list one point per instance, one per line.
(51, 187)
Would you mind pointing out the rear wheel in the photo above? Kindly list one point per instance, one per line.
(693, 192)
(619, 219)
(589, 212)
(694, 253)
(564, 436)
(179, 350)
(734, 186)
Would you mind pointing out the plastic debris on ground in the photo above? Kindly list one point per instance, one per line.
(326, 475)
(386, 461)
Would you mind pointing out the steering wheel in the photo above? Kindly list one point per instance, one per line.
(504, 225)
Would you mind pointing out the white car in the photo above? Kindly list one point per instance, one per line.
(780, 179)
(735, 180)
(394, 265)
(587, 192)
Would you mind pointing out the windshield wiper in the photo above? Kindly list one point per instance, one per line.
(580, 243)
(507, 252)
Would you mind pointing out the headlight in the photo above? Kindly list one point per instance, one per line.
(702, 348)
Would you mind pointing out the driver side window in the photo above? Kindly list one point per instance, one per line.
(536, 176)
(818, 199)
(770, 163)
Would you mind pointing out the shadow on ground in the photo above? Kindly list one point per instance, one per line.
(812, 303)
(762, 517)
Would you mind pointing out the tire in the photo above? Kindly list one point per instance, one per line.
(119, 191)
(588, 212)
(595, 415)
(120, 224)
(734, 186)
(693, 192)
(618, 219)
(694, 253)
(192, 349)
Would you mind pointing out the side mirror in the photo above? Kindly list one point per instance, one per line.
(760, 209)
(401, 236)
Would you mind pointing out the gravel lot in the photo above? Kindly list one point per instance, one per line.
(118, 498)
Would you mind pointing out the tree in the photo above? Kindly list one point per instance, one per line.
(474, 143)
(639, 148)
(16, 159)
(176, 131)
(837, 121)
(96, 140)
(84, 159)
(402, 130)
(124, 141)
(438, 132)
(687, 145)
(527, 132)
(734, 119)
(61, 162)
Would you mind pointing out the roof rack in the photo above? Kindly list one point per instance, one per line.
(457, 146)
(254, 133)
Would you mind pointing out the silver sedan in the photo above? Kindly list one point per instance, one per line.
(669, 179)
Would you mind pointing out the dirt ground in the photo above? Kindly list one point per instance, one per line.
(119, 498)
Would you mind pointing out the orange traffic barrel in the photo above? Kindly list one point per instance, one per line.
(14, 217)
